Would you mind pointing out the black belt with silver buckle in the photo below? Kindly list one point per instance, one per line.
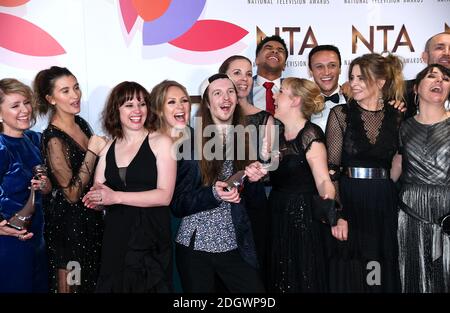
(367, 172)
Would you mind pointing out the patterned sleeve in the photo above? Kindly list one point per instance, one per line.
(335, 140)
(58, 160)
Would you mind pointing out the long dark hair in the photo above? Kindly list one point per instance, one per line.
(211, 169)
(44, 85)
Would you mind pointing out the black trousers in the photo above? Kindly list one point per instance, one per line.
(198, 269)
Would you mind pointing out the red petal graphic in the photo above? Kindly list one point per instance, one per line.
(129, 14)
(21, 36)
(12, 3)
(208, 35)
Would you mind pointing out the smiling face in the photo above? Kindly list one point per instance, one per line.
(133, 113)
(434, 87)
(222, 100)
(240, 72)
(362, 90)
(66, 95)
(325, 70)
(15, 111)
(283, 102)
(438, 51)
(272, 57)
(177, 108)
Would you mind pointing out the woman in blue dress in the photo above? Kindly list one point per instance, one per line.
(23, 262)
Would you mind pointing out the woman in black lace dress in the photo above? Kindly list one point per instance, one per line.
(361, 141)
(73, 233)
(297, 260)
(424, 163)
(134, 181)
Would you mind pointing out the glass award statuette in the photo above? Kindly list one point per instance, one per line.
(39, 170)
(271, 164)
(22, 219)
(236, 181)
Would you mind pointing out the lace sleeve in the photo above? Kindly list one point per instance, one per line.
(312, 133)
(58, 159)
(335, 138)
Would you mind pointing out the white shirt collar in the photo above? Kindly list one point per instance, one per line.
(337, 90)
(261, 80)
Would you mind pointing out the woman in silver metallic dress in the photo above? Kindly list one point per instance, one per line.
(424, 164)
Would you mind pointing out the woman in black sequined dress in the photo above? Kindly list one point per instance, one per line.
(73, 232)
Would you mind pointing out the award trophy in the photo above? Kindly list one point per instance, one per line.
(236, 181)
(22, 219)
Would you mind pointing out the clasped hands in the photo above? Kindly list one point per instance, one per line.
(98, 196)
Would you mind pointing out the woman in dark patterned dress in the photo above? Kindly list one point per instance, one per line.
(424, 164)
(73, 232)
(361, 141)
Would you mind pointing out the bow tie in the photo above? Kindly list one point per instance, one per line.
(334, 98)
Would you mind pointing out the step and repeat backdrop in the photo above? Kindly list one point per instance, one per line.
(104, 42)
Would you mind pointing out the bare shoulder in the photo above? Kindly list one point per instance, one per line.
(106, 148)
(159, 142)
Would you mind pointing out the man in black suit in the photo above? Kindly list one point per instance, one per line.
(324, 62)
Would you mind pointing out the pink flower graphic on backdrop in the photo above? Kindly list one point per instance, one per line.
(176, 22)
(24, 37)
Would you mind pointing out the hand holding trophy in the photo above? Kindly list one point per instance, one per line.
(22, 219)
(236, 181)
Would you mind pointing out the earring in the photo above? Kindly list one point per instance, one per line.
(380, 101)
(416, 100)
(1, 120)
